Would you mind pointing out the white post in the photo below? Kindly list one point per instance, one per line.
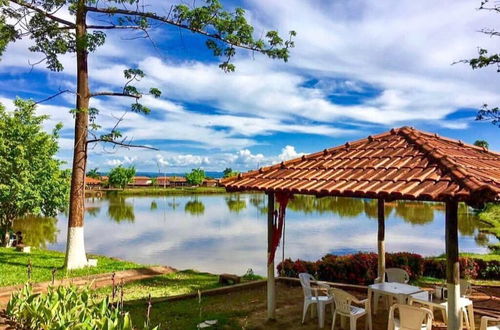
(452, 265)
(271, 284)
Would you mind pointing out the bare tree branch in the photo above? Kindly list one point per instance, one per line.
(121, 143)
(43, 12)
(53, 96)
(115, 94)
(110, 27)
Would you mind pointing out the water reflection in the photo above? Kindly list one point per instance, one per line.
(194, 207)
(37, 231)
(119, 209)
(235, 203)
(199, 231)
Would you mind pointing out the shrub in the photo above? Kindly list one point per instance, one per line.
(412, 263)
(291, 268)
(361, 268)
(64, 308)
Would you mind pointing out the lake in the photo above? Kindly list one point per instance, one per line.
(227, 233)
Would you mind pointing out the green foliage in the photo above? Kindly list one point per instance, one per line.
(196, 176)
(7, 34)
(482, 143)
(120, 176)
(485, 59)
(65, 308)
(228, 173)
(94, 173)
(31, 181)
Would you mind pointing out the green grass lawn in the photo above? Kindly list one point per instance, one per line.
(185, 314)
(13, 266)
(181, 282)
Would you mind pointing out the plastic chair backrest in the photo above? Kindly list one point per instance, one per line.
(305, 282)
(465, 287)
(397, 275)
(343, 301)
(410, 317)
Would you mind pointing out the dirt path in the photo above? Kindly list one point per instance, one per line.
(98, 280)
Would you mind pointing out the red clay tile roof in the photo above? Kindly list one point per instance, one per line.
(404, 163)
(92, 181)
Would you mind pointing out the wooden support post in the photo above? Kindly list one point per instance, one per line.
(381, 240)
(452, 265)
(271, 284)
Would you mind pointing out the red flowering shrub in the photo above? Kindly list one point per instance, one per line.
(412, 263)
(293, 268)
(361, 268)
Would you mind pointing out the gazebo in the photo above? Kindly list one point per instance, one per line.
(402, 164)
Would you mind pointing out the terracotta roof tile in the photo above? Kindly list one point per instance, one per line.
(404, 163)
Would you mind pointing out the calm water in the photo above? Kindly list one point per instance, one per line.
(227, 233)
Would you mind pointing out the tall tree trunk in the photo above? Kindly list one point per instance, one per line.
(75, 247)
(6, 235)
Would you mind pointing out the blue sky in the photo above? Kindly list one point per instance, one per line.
(359, 68)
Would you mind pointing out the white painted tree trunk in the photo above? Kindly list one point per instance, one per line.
(75, 249)
(454, 315)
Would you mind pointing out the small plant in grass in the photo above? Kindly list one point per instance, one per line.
(65, 308)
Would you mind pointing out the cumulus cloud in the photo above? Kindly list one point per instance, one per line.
(356, 65)
(288, 153)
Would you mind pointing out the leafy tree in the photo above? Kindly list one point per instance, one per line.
(94, 173)
(228, 173)
(487, 58)
(58, 27)
(120, 177)
(196, 176)
(31, 181)
(482, 143)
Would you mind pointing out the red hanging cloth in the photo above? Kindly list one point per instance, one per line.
(279, 219)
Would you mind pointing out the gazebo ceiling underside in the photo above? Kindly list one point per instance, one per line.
(404, 163)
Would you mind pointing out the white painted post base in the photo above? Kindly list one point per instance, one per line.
(454, 319)
(75, 249)
(271, 293)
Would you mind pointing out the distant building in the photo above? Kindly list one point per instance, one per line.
(162, 181)
(141, 181)
(210, 183)
(177, 181)
(91, 183)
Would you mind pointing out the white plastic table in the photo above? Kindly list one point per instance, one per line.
(400, 291)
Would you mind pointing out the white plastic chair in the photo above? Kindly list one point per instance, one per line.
(395, 275)
(487, 319)
(424, 298)
(343, 307)
(312, 297)
(410, 318)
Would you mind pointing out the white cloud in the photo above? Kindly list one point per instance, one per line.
(288, 153)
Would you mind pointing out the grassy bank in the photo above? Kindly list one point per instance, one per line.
(157, 191)
(13, 266)
(181, 282)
